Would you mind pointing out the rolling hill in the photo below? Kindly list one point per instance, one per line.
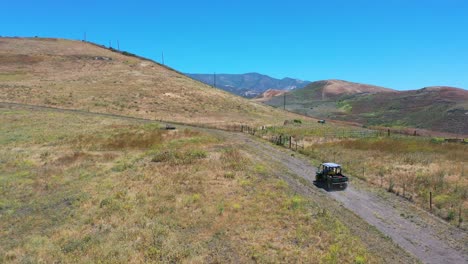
(249, 84)
(443, 109)
(81, 75)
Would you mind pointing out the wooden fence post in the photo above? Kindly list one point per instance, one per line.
(430, 201)
(290, 142)
(460, 220)
(459, 216)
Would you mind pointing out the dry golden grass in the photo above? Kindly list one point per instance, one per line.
(71, 74)
(79, 188)
(410, 167)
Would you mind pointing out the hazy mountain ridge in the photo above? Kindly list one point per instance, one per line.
(249, 84)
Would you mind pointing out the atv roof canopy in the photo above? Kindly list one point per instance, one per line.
(331, 165)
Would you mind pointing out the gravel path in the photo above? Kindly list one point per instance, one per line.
(420, 240)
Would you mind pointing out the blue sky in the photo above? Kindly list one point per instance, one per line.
(401, 44)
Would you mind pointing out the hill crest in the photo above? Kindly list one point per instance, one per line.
(332, 89)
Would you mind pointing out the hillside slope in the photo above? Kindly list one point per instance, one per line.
(443, 109)
(249, 84)
(333, 89)
(79, 75)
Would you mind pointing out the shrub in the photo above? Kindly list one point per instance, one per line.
(360, 260)
(229, 175)
(233, 159)
(296, 202)
(450, 215)
(391, 185)
(177, 157)
(441, 200)
(163, 156)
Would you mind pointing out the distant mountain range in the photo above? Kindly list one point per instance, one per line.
(437, 108)
(248, 85)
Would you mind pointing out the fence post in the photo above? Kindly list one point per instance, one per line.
(460, 220)
(290, 142)
(430, 201)
(388, 132)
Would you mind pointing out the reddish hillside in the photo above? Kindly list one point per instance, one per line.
(268, 94)
(337, 88)
(334, 89)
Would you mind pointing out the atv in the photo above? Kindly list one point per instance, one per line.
(329, 175)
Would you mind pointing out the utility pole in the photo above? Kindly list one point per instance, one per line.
(214, 80)
(284, 101)
(118, 45)
(162, 57)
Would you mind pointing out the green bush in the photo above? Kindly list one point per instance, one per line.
(450, 215)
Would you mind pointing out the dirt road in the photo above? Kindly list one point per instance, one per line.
(422, 235)
(426, 237)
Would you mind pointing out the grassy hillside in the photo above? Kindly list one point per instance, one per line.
(79, 75)
(438, 108)
(80, 188)
(441, 109)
